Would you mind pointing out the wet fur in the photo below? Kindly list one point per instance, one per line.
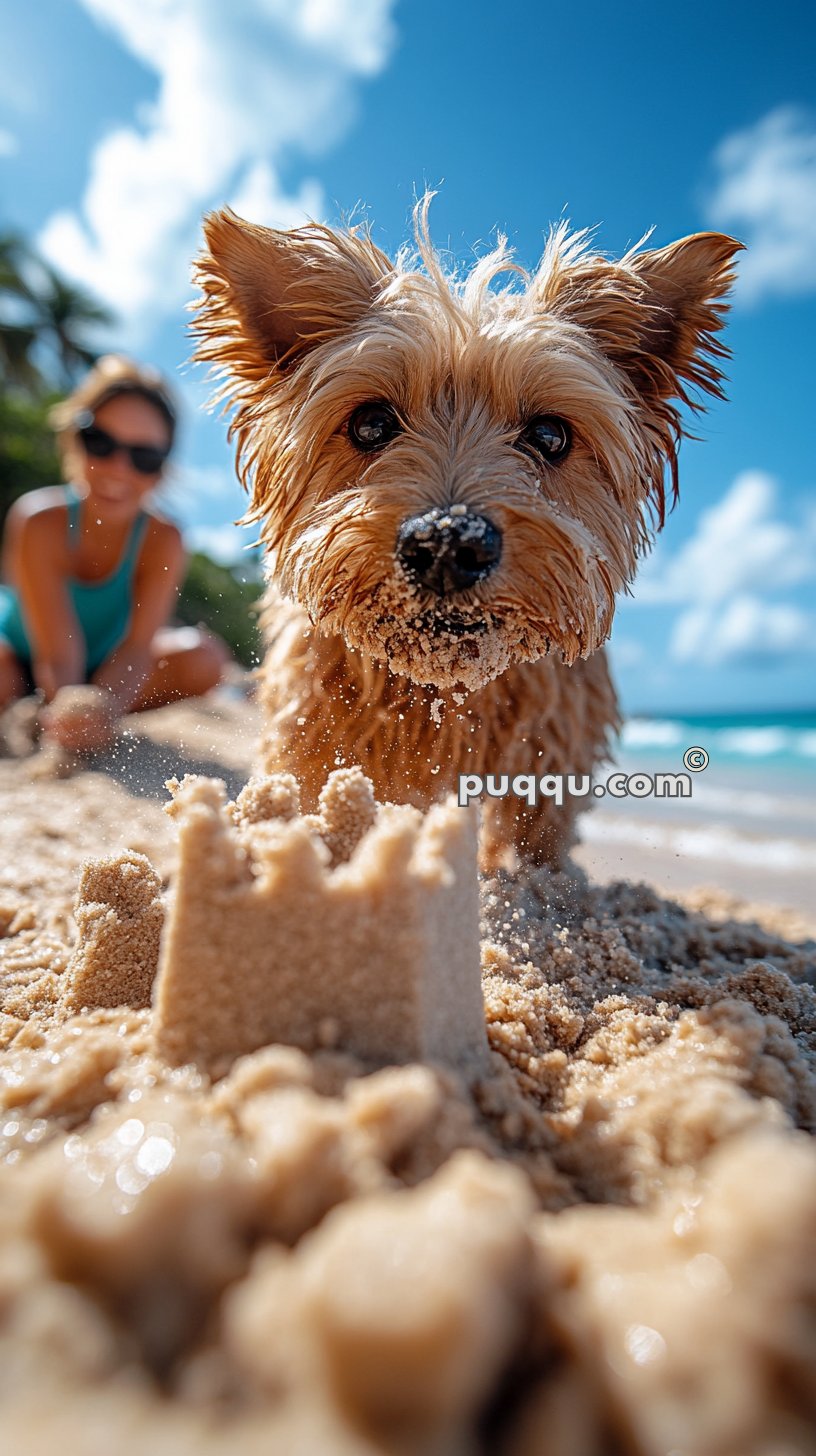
(307, 325)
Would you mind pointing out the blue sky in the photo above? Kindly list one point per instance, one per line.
(121, 122)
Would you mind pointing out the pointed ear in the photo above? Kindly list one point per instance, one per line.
(685, 288)
(655, 314)
(268, 296)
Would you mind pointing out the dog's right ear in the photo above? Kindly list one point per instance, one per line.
(268, 296)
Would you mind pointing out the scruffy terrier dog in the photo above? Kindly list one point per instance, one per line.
(453, 481)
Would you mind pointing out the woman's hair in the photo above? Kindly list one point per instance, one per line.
(112, 375)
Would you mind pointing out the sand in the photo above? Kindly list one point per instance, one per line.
(598, 1238)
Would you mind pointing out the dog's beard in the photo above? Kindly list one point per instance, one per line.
(455, 646)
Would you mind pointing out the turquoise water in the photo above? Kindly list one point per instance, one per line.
(754, 805)
(780, 745)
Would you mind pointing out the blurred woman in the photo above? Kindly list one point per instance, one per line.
(93, 568)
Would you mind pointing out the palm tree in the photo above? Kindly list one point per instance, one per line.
(43, 347)
(12, 253)
(17, 336)
(66, 311)
(44, 320)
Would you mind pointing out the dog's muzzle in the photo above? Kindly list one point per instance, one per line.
(447, 551)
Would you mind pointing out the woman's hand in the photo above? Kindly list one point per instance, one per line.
(81, 718)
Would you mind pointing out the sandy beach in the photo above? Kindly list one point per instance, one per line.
(603, 1237)
(753, 837)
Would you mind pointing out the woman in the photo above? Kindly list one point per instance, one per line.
(94, 567)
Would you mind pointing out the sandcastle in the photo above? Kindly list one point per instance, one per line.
(356, 927)
(119, 915)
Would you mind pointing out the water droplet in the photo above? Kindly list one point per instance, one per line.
(705, 1273)
(643, 1344)
(130, 1132)
(130, 1179)
(155, 1156)
(210, 1165)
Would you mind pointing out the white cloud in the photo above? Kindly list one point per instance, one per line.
(766, 193)
(739, 543)
(8, 143)
(741, 548)
(240, 87)
(748, 630)
(227, 544)
(208, 482)
(260, 198)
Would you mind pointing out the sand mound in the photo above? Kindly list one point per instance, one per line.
(601, 1237)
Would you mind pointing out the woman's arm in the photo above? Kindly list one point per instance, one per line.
(87, 721)
(35, 560)
(155, 586)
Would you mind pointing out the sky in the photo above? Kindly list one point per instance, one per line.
(122, 122)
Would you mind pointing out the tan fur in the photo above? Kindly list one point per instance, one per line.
(306, 326)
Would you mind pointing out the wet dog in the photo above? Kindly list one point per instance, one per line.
(453, 479)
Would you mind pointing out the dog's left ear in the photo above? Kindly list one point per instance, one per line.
(655, 314)
(685, 288)
(268, 296)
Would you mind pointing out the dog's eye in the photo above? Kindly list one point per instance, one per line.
(549, 436)
(372, 425)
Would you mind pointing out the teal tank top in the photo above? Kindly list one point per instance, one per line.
(103, 608)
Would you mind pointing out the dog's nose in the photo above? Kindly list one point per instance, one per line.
(447, 551)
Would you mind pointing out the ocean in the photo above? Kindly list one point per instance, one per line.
(749, 826)
(761, 743)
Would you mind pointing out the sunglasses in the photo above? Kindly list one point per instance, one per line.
(146, 459)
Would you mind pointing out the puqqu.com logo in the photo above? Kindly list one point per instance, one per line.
(557, 786)
(695, 759)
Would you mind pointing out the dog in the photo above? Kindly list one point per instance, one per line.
(453, 481)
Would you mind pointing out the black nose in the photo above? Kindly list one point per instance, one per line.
(447, 551)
